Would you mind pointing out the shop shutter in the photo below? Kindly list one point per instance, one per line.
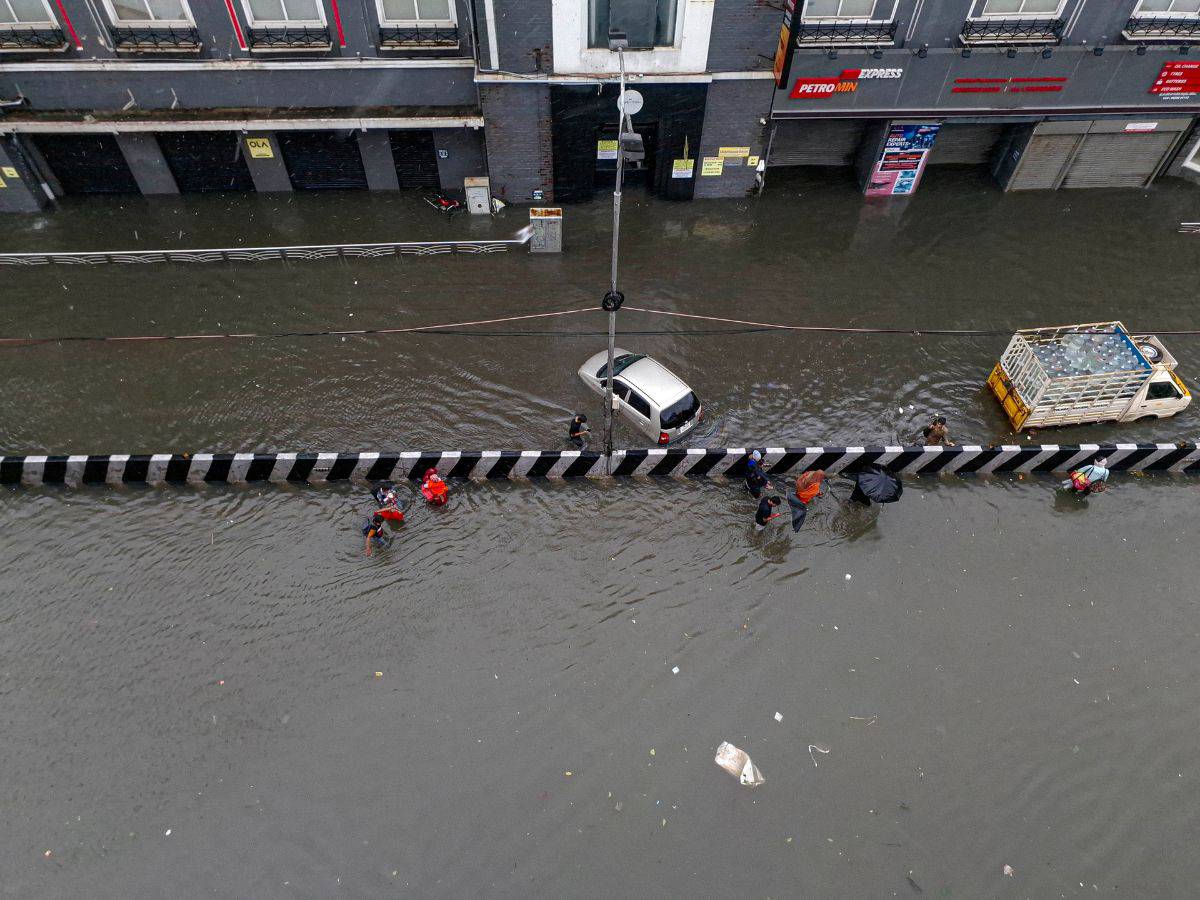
(322, 160)
(203, 161)
(824, 142)
(86, 163)
(965, 144)
(1042, 163)
(1119, 159)
(416, 159)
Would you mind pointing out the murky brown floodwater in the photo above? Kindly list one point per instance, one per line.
(1007, 678)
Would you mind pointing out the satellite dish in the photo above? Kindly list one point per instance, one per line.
(633, 103)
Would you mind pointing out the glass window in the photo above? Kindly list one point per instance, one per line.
(26, 12)
(285, 12)
(845, 9)
(620, 364)
(408, 12)
(620, 389)
(1162, 390)
(647, 23)
(680, 412)
(1021, 7)
(640, 403)
(142, 11)
(1188, 7)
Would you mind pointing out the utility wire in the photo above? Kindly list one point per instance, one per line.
(460, 329)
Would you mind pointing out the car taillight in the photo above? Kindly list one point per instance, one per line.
(664, 438)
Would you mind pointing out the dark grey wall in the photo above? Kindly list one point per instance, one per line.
(147, 164)
(744, 35)
(344, 88)
(1118, 80)
(23, 193)
(464, 156)
(731, 119)
(519, 147)
(524, 29)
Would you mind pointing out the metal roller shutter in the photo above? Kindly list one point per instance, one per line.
(1042, 163)
(203, 161)
(828, 142)
(1119, 160)
(416, 159)
(322, 160)
(87, 163)
(966, 144)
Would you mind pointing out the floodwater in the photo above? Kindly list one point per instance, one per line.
(211, 691)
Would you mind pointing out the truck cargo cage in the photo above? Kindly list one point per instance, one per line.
(1078, 373)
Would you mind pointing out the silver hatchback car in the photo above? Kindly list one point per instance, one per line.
(650, 396)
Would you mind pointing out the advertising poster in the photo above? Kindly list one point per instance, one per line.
(902, 161)
(606, 149)
(681, 168)
(712, 165)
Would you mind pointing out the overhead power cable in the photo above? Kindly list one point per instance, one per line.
(741, 326)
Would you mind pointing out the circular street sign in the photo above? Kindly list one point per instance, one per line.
(633, 103)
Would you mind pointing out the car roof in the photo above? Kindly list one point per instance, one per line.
(655, 380)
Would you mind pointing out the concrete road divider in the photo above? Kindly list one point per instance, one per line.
(682, 462)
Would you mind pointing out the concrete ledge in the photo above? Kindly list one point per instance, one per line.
(482, 465)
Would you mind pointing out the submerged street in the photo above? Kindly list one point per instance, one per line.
(213, 686)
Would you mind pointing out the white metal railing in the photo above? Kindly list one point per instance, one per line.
(259, 254)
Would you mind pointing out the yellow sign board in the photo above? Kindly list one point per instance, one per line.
(682, 168)
(606, 149)
(9, 172)
(733, 151)
(260, 148)
(2, 184)
(752, 160)
(712, 165)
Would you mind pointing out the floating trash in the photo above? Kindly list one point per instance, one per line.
(738, 764)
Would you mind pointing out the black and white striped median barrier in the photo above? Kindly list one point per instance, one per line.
(236, 468)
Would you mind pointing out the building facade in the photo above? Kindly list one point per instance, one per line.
(1047, 94)
(548, 91)
(169, 96)
(180, 96)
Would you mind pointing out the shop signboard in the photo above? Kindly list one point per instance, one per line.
(260, 148)
(900, 165)
(712, 165)
(783, 52)
(1178, 78)
(9, 172)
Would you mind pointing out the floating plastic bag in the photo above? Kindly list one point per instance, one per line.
(737, 763)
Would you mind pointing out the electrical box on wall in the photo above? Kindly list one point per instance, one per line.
(479, 196)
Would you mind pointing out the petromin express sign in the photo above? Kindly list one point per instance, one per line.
(845, 83)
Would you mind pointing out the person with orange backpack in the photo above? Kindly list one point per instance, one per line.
(433, 489)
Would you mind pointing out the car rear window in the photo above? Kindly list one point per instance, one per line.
(680, 412)
(620, 364)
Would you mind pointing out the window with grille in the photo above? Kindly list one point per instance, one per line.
(149, 12)
(1171, 7)
(27, 12)
(416, 12)
(284, 13)
(854, 10)
(1021, 8)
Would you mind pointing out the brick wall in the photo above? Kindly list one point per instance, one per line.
(519, 148)
(744, 35)
(524, 33)
(731, 119)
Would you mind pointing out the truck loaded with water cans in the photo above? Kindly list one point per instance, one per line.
(1074, 374)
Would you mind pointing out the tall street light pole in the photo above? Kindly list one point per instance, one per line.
(614, 298)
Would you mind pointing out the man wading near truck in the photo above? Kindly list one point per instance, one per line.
(936, 433)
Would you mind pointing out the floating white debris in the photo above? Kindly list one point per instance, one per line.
(738, 763)
(778, 717)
